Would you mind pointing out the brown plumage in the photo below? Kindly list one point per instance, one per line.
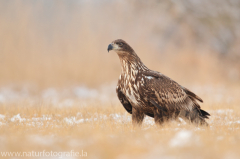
(145, 92)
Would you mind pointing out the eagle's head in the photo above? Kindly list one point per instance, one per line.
(120, 46)
(126, 53)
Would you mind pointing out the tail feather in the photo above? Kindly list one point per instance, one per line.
(204, 114)
(195, 116)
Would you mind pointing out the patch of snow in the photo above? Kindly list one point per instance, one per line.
(107, 92)
(181, 139)
(8, 94)
(72, 120)
(59, 97)
(120, 118)
(149, 121)
(67, 102)
(2, 117)
(2, 124)
(79, 114)
(116, 117)
(42, 140)
(51, 95)
(17, 118)
(43, 118)
(234, 122)
(84, 92)
(224, 111)
(2, 98)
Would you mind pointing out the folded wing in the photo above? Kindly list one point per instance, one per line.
(168, 94)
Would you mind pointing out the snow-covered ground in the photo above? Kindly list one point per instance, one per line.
(58, 97)
(67, 118)
(104, 94)
(118, 118)
(83, 96)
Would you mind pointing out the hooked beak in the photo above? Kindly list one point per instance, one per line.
(110, 47)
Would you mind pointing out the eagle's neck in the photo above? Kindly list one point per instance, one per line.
(131, 65)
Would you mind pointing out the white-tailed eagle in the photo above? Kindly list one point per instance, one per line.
(146, 92)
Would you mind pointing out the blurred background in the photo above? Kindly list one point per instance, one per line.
(61, 43)
(57, 80)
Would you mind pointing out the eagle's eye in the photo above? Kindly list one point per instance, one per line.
(120, 44)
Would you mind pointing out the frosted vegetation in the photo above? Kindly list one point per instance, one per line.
(85, 118)
(57, 81)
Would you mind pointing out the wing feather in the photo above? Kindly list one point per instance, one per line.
(191, 94)
(166, 92)
(126, 104)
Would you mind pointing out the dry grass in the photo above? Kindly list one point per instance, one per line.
(54, 46)
(108, 132)
(105, 130)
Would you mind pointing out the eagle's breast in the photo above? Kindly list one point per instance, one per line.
(128, 83)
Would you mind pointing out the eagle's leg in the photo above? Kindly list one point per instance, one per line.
(159, 117)
(137, 116)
